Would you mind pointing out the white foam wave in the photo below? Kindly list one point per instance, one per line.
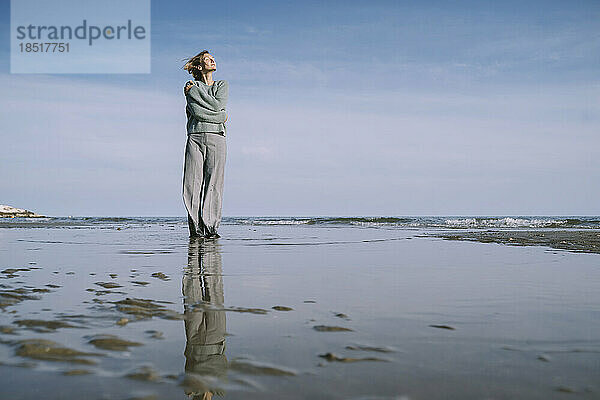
(507, 222)
(273, 222)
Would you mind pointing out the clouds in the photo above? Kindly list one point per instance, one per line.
(472, 150)
(68, 139)
(105, 147)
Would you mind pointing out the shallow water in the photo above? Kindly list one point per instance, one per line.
(364, 310)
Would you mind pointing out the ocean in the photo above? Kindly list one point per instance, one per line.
(437, 222)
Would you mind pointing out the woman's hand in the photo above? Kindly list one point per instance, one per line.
(188, 85)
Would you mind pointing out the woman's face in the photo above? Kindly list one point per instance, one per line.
(208, 63)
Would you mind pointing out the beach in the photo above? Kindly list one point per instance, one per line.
(294, 308)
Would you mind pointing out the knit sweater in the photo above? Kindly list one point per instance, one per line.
(205, 107)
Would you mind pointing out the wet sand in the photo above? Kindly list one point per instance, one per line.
(585, 241)
(130, 311)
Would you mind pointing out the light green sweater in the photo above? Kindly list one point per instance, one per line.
(205, 107)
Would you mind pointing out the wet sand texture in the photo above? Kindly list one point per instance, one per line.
(325, 328)
(146, 308)
(342, 312)
(282, 308)
(111, 342)
(108, 285)
(253, 368)
(76, 372)
(47, 350)
(376, 349)
(43, 326)
(587, 241)
(144, 373)
(333, 357)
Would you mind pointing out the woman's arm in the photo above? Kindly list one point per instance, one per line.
(205, 107)
(205, 115)
(222, 94)
(217, 102)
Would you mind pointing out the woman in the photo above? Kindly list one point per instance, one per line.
(205, 151)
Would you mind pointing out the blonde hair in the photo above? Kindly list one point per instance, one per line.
(191, 65)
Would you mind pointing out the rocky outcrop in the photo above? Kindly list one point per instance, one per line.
(11, 212)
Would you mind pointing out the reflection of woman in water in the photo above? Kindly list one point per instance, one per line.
(204, 328)
(205, 150)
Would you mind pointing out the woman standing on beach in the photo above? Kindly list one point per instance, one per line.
(205, 151)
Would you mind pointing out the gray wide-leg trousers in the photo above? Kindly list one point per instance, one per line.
(203, 178)
(204, 317)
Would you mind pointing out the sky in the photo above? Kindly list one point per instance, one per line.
(335, 108)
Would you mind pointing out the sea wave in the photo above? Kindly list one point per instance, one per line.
(321, 220)
(387, 222)
(506, 222)
(458, 222)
